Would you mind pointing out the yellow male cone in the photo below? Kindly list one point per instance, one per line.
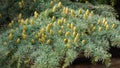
(72, 12)
(65, 40)
(69, 25)
(83, 42)
(91, 13)
(35, 14)
(68, 45)
(76, 40)
(98, 21)
(54, 9)
(4, 43)
(20, 16)
(113, 25)
(107, 27)
(51, 32)
(100, 28)
(24, 36)
(31, 21)
(74, 33)
(42, 30)
(33, 41)
(51, 3)
(87, 12)
(85, 16)
(48, 42)
(93, 28)
(18, 40)
(80, 11)
(67, 33)
(53, 18)
(60, 32)
(20, 4)
(75, 29)
(48, 28)
(10, 37)
(59, 5)
(66, 10)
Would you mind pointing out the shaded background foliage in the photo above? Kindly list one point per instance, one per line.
(9, 9)
(114, 3)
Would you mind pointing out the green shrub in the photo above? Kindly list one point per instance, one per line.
(100, 9)
(110, 2)
(10, 9)
(56, 36)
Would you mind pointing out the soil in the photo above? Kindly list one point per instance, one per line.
(82, 62)
(115, 64)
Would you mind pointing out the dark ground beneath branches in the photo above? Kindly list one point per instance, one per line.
(82, 62)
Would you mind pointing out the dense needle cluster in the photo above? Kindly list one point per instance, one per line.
(59, 32)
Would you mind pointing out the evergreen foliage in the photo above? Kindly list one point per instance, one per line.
(56, 36)
(10, 9)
